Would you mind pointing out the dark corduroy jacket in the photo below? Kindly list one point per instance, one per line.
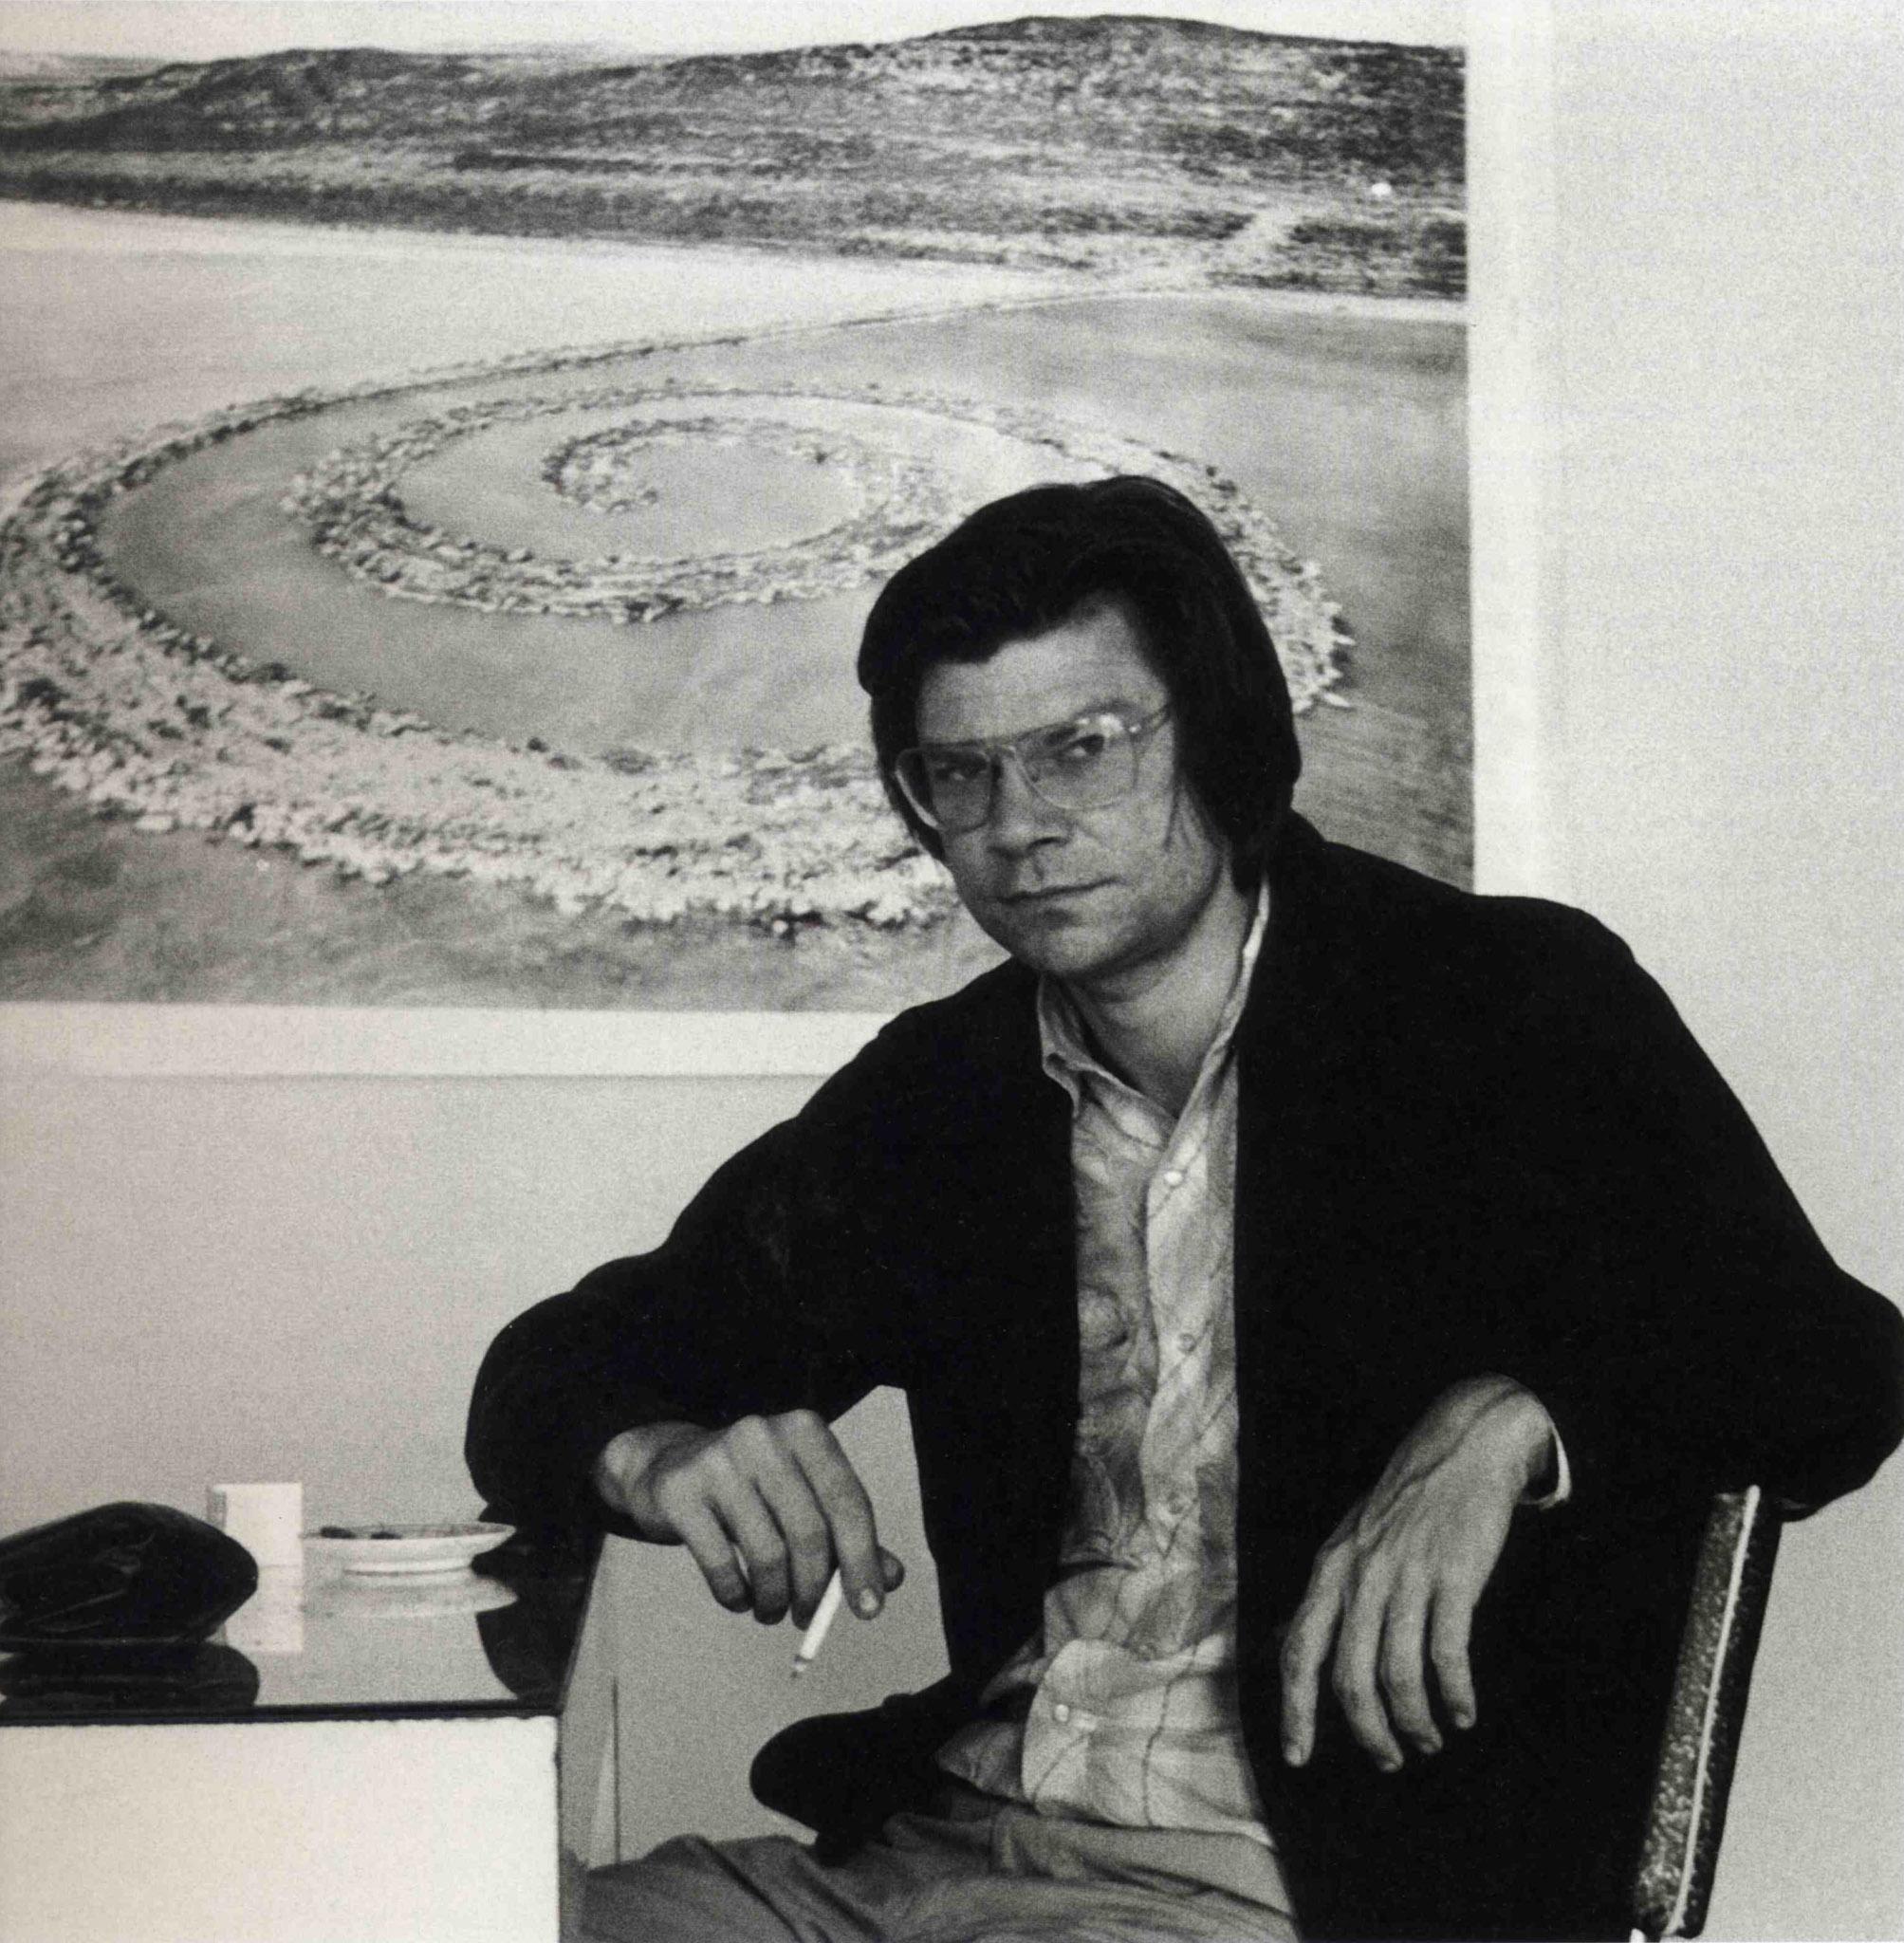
(1474, 1137)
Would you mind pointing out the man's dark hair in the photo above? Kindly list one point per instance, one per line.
(1024, 564)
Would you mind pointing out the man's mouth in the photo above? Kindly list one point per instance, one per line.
(1047, 893)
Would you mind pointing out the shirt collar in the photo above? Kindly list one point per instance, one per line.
(1066, 1052)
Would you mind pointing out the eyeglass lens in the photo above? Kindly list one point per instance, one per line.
(1078, 764)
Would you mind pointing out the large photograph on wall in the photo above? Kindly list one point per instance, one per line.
(448, 453)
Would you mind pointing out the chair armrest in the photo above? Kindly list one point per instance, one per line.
(1686, 1816)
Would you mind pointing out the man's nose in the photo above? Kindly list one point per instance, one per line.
(1020, 817)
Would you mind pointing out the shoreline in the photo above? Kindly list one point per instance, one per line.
(399, 242)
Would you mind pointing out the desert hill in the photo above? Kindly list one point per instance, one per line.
(1120, 145)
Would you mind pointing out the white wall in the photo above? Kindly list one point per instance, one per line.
(295, 1278)
(261, 1279)
(1716, 759)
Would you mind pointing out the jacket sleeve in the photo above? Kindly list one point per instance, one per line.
(1699, 1330)
(768, 1296)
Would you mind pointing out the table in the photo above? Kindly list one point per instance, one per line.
(383, 1762)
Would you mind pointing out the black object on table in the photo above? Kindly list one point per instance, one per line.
(119, 1574)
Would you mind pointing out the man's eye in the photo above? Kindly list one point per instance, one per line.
(952, 769)
(1078, 745)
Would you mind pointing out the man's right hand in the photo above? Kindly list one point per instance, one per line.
(768, 1506)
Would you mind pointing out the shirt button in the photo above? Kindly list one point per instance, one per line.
(1172, 1177)
(1186, 1340)
(1061, 1714)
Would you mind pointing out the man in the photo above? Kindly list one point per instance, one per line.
(1327, 1303)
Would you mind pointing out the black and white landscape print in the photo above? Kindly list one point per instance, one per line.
(442, 489)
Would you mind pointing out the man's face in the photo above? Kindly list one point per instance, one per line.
(1088, 896)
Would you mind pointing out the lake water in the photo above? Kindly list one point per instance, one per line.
(111, 322)
(1345, 422)
(1346, 427)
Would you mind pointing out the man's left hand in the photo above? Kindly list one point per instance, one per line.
(1394, 1590)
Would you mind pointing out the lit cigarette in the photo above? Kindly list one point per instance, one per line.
(815, 1636)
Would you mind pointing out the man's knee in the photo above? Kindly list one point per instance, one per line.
(694, 1891)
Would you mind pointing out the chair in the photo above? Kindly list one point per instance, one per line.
(1700, 1744)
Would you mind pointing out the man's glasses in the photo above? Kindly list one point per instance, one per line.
(1083, 763)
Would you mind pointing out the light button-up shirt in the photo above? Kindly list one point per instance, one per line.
(1124, 1708)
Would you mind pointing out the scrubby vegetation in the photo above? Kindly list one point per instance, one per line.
(1113, 145)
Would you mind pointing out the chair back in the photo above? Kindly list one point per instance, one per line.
(1700, 1745)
